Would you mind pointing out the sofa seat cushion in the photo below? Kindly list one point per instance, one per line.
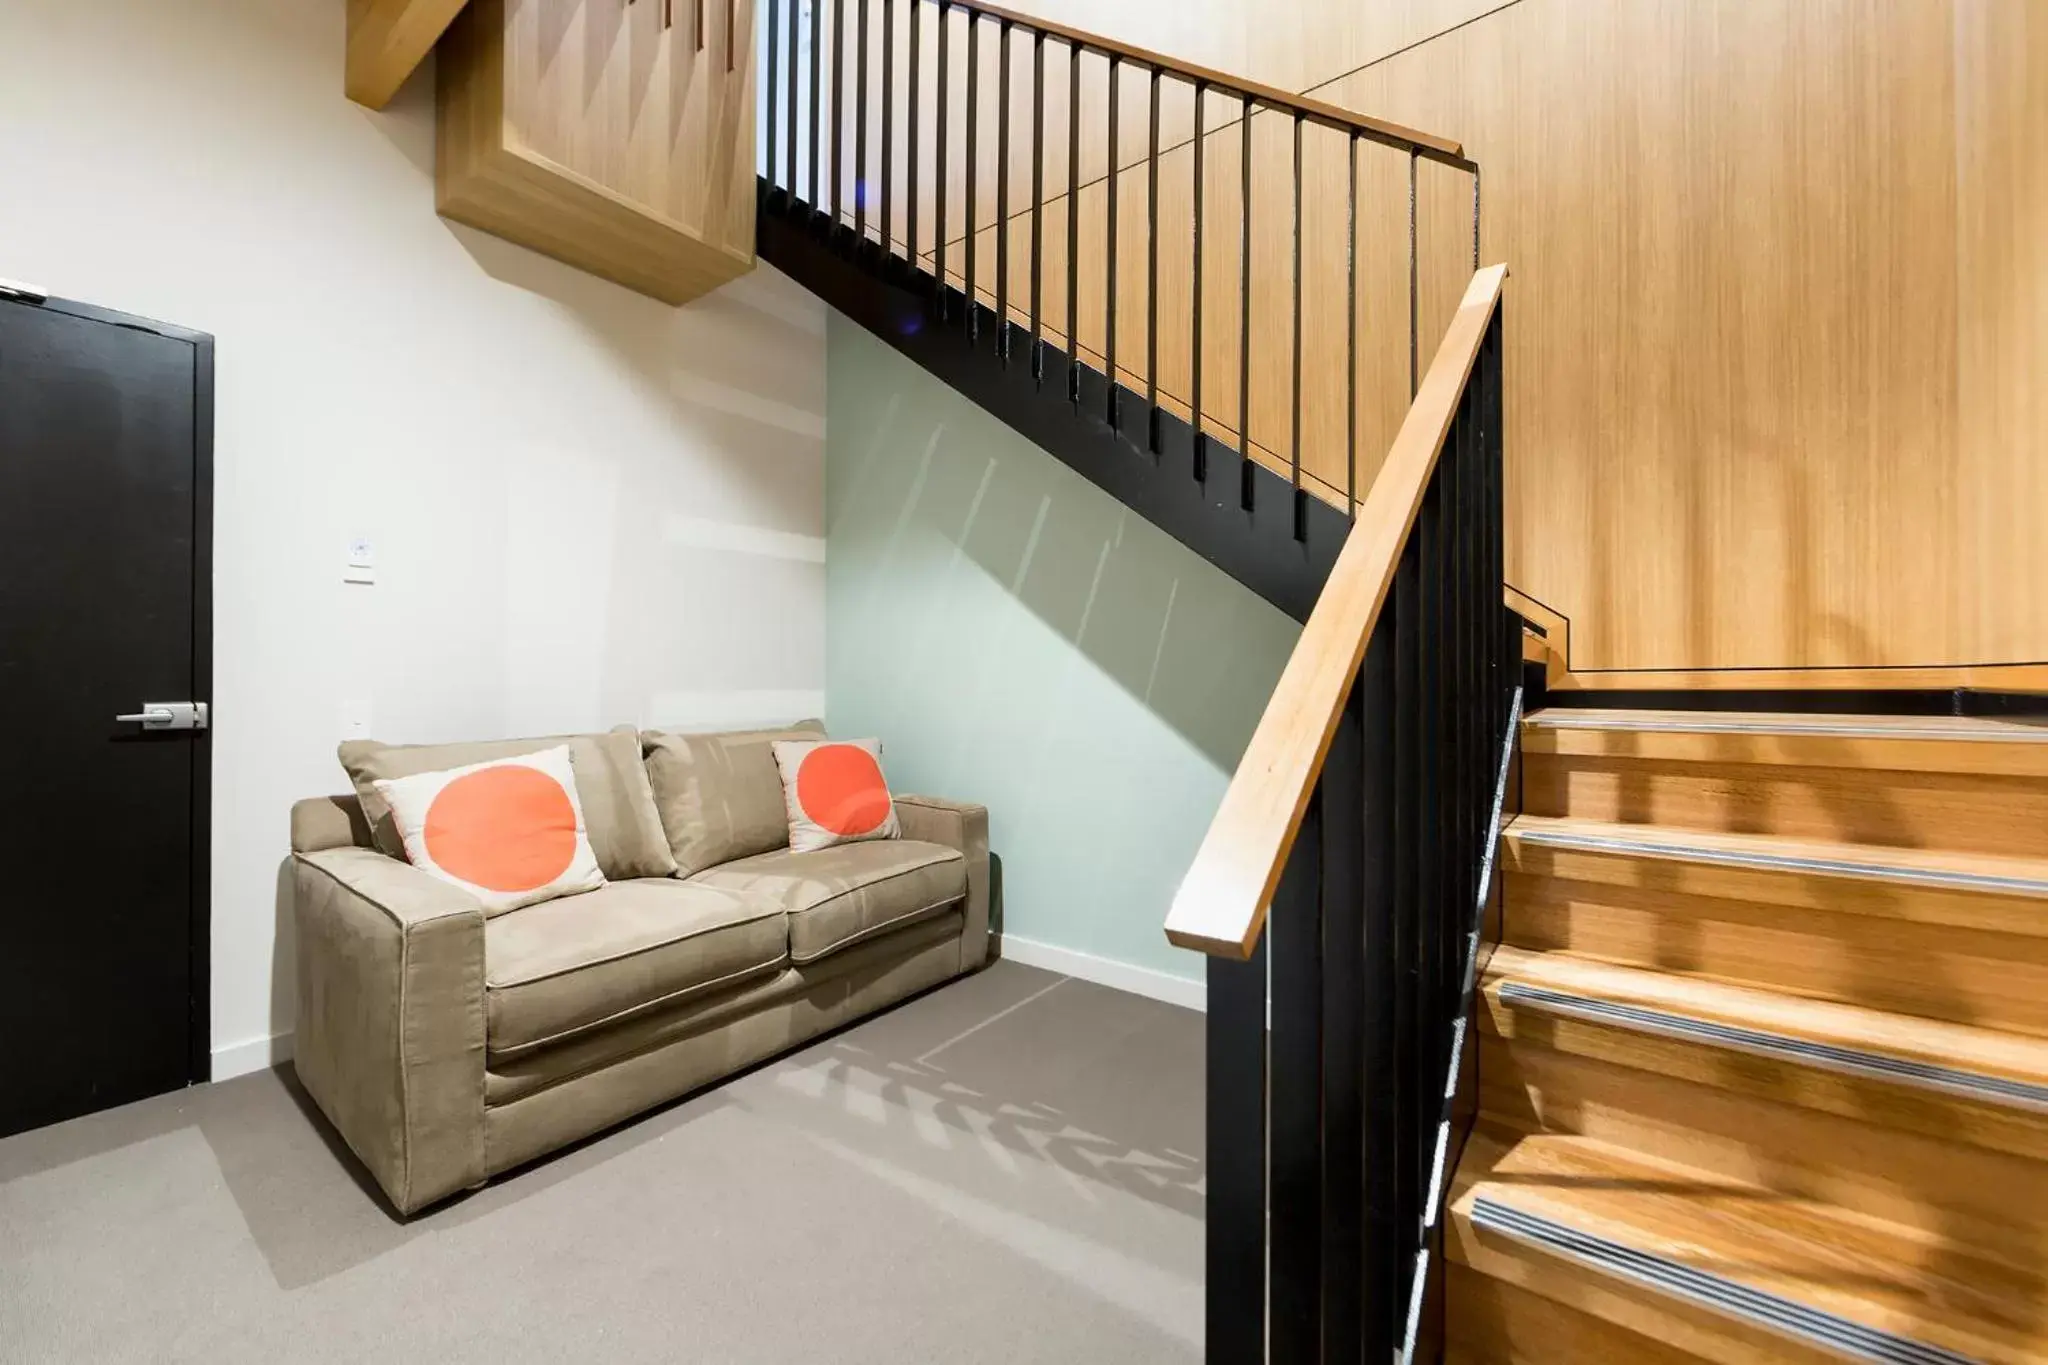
(556, 969)
(841, 895)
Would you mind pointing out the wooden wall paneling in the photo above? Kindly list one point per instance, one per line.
(1300, 46)
(604, 91)
(387, 40)
(1732, 411)
(510, 85)
(2001, 91)
(1778, 296)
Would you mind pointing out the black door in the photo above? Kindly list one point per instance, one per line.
(105, 572)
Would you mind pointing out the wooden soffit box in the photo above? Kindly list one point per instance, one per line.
(614, 135)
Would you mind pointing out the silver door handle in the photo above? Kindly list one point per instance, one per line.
(168, 715)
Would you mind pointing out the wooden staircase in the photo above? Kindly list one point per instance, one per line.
(1763, 1063)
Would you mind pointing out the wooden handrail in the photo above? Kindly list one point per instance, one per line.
(1388, 134)
(1221, 906)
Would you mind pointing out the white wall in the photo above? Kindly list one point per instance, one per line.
(588, 507)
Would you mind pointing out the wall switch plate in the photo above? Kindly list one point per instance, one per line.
(355, 720)
(361, 566)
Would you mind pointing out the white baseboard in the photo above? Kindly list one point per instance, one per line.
(257, 1054)
(1175, 990)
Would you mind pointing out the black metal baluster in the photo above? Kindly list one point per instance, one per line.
(1244, 320)
(1351, 329)
(1395, 830)
(1300, 503)
(1003, 197)
(1296, 930)
(1348, 850)
(1201, 443)
(1152, 273)
(1109, 299)
(1496, 438)
(1037, 206)
(795, 41)
(1440, 533)
(1419, 1022)
(911, 147)
(888, 182)
(1510, 652)
(1457, 756)
(942, 185)
(1479, 764)
(838, 112)
(817, 200)
(860, 134)
(1235, 1216)
(1074, 223)
(774, 73)
(973, 172)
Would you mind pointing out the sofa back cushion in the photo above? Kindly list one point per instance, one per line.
(619, 817)
(720, 795)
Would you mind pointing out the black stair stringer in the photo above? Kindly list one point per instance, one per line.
(1260, 548)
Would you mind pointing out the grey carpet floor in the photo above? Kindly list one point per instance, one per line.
(1007, 1169)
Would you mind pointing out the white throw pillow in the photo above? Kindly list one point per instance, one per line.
(510, 832)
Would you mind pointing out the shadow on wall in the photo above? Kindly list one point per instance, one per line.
(916, 496)
(1019, 638)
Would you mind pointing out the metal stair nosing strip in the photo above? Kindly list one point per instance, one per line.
(1731, 1298)
(1454, 1068)
(1826, 729)
(1933, 878)
(1973, 1085)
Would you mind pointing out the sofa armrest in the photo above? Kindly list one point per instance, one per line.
(323, 822)
(391, 1018)
(965, 827)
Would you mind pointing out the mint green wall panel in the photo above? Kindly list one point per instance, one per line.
(1016, 636)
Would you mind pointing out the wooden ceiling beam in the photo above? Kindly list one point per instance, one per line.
(387, 40)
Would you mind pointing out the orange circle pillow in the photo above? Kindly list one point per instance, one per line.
(510, 831)
(834, 792)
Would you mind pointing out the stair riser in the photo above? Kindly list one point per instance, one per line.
(1875, 960)
(1746, 1119)
(1497, 1322)
(1515, 1303)
(1934, 1113)
(1865, 752)
(1954, 811)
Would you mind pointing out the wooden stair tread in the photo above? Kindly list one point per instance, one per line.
(1948, 869)
(1795, 1249)
(1933, 1043)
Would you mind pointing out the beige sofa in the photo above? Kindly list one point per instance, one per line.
(447, 1046)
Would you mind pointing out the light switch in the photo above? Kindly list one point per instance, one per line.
(355, 720)
(362, 562)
